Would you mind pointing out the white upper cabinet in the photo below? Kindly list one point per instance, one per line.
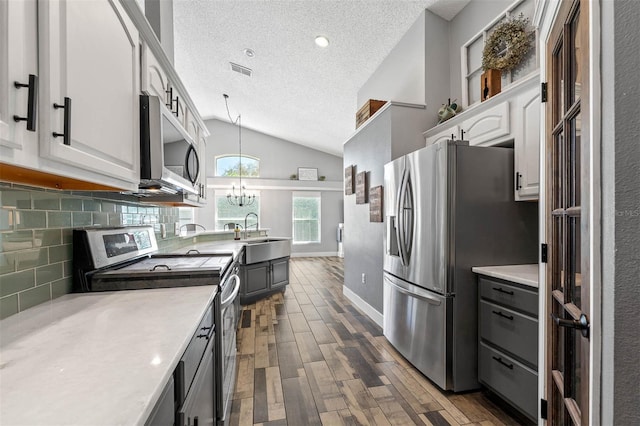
(18, 82)
(527, 145)
(491, 125)
(452, 132)
(154, 79)
(89, 88)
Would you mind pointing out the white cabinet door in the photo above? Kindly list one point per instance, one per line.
(448, 133)
(154, 79)
(192, 125)
(89, 55)
(18, 60)
(488, 127)
(527, 145)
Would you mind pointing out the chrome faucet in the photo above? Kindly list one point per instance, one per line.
(246, 229)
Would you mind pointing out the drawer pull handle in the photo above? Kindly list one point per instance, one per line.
(500, 314)
(200, 336)
(501, 290)
(194, 251)
(160, 266)
(509, 366)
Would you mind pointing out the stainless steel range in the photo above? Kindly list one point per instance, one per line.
(228, 318)
(107, 259)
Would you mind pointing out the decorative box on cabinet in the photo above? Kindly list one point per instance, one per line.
(89, 86)
(508, 342)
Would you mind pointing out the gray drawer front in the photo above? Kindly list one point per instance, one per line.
(518, 384)
(193, 354)
(510, 330)
(505, 294)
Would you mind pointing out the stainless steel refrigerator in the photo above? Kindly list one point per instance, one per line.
(448, 207)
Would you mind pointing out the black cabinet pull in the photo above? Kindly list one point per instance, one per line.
(169, 104)
(499, 359)
(500, 314)
(518, 184)
(177, 111)
(200, 336)
(195, 421)
(32, 104)
(160, 266)
(67, 121)
(501, 290)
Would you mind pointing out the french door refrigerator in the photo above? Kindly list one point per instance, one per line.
(448, 207)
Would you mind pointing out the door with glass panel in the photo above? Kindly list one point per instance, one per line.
(567, 216)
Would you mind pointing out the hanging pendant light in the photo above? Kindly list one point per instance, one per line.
(240, 199)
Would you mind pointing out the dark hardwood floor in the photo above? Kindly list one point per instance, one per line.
(309, 357)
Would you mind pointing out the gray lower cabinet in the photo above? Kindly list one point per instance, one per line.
(508, 342)
(262, 279)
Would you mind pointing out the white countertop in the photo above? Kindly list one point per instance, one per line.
(522, 274)
(95, 358)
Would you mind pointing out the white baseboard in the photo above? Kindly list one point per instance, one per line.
(371, 312)
(315, 254)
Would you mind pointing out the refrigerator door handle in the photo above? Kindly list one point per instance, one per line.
(400, 225)
(422, 295)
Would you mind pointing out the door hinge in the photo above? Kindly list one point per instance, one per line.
(543, 92)
(543, 253)
(543, 409)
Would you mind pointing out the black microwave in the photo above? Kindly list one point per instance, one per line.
(169, 161)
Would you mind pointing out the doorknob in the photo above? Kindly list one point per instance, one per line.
(581, 324)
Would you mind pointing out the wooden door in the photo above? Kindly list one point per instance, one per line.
(567, 216)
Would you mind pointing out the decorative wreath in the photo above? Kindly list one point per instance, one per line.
(507, 45)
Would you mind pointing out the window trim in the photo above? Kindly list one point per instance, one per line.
(221, 156)
(306, 194)
(465, 73)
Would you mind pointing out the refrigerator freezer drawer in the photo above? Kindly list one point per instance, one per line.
(415, 322)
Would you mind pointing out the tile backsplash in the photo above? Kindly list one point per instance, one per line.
(36, 234)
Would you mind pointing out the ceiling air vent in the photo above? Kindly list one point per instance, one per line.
(242, 70)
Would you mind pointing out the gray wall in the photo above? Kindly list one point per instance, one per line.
(417, 69)
(278, 160)
(621, 212)
(395, 132)
(159, 13)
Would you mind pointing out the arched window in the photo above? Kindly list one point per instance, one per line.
(229, 165)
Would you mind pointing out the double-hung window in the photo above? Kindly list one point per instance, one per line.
(228, 215)
(306, 217)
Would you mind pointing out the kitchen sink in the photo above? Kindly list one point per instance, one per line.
(265, 249)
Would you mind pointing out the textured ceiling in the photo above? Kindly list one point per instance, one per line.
(298, 91)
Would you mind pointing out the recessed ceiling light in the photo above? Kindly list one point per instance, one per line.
(249, 52)
(322, 41)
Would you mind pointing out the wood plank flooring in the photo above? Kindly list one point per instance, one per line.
(309, 357)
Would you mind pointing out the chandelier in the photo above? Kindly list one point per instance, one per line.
(241, 198)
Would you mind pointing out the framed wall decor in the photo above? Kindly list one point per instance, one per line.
(348, 180)
(361, 188)
(307, 173)
(375, 204)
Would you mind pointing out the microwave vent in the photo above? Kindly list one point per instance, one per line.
(241, 69)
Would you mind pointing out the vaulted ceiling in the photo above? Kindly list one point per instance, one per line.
(297, 91)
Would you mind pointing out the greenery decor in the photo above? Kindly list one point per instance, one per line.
(508, 44)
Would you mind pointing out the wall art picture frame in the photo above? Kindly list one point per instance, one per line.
(376, 197)
(307, 173)
(361, 188)
(348, 180)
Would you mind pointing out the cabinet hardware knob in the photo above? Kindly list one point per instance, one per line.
(66, 135)
(581, 324)
(32, 103)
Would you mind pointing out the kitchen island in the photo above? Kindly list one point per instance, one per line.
(96, 358)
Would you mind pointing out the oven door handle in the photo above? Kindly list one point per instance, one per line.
(229, 300)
